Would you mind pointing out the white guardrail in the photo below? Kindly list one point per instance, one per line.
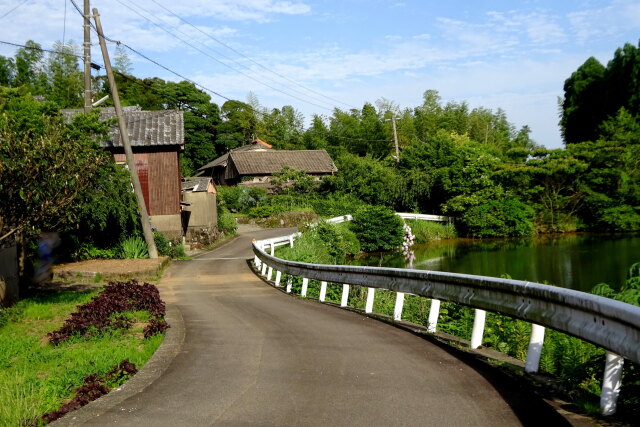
(610, 324)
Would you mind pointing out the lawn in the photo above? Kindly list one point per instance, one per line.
(36, 376)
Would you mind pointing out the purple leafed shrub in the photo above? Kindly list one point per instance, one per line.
(104, 311)
(93, 387)
(155, 326)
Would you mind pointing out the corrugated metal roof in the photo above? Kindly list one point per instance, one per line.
(146, 128)
(271, 161)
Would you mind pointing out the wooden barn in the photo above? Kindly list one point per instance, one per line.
(156, 139)
(255, 166)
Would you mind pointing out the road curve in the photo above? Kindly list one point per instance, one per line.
(253, 355)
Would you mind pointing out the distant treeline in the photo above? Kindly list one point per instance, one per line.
(468, 163)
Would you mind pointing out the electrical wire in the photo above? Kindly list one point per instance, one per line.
(249, 58)
(12, 9)
(133, 79)
(175, 29)
(223, 63)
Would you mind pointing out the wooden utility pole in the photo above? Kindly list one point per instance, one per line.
(395, 138)
(124, 136)
(87, 57)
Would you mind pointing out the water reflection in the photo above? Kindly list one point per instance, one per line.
(577, 261)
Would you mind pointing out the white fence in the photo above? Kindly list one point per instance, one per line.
(612, 325)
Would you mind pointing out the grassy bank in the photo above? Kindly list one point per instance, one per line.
(37, 376)
(427, 231)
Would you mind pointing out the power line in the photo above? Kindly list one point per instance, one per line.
(224, 56)
(249, 58)
(223, 63)
(133, 79)
(12, 9)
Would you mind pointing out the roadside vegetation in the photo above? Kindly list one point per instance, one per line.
(49, 365)
(576, 364)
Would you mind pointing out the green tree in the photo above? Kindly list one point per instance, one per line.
(377, 228)
(7, 71)
(29, 68)
(44, 166)
(64, 75)
(238, 126)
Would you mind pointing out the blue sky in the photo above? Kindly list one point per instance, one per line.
(324, 54)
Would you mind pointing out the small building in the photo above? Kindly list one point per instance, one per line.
(216, 168)
(156, 139)
(255, 165)
(199, 210)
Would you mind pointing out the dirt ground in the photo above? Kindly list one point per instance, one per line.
(109, 266)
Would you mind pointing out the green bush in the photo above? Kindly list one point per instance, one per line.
(166, 247)
(498, 218)
(264, 211)
(377, 228)
(90, 251)
(226, 222)
(133, 248)
(239, 198)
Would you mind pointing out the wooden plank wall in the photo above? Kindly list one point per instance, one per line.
(164, 177)
(159, 175)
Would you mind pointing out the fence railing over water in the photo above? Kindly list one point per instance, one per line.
(610, 324)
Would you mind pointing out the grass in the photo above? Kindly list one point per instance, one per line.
(37, 377)
(426, 231)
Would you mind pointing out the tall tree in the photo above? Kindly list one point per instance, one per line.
(64, 76)
(29, 67)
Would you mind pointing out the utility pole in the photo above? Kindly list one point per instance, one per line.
(87, 57)
(124, 135)
(395, 138)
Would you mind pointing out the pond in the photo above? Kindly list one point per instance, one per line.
(575, 261)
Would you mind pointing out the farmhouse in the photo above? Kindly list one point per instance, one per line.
(256, 164)
(156, 139)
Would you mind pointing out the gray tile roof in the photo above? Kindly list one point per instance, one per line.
(146, 128)
(222, 160)
(272, 161)
(196, 184)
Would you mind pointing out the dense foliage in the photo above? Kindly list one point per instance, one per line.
(377, 228)
(469, 163)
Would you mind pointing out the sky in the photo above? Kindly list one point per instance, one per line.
(317, 55)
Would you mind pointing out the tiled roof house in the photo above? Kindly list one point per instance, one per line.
(156, 139)
(255, 165)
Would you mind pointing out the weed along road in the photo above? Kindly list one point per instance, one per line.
(253, 355)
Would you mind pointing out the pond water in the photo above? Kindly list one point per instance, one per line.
(576, 261)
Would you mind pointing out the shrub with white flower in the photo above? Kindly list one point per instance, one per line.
(407, 243)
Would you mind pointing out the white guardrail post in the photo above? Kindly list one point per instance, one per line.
(323, 291)
(344, 302)
(371, 293)
(612, 325)
(278, 277)
(611, 383)
(397, 310)
(434, 313)
(478, 328)
(535, 348)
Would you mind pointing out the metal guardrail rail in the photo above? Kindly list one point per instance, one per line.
(610, 324)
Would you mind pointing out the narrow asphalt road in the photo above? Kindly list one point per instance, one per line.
(253, 355)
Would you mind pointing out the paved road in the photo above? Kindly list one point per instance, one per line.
(253, 355)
